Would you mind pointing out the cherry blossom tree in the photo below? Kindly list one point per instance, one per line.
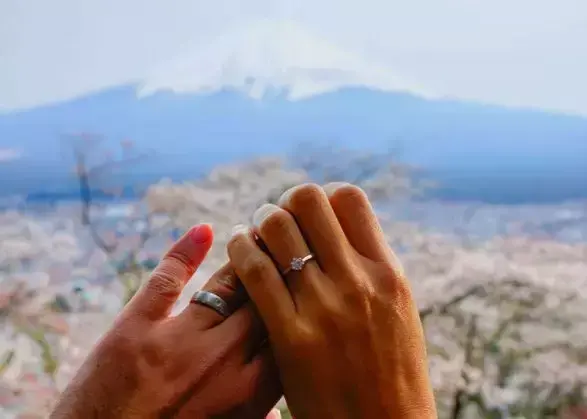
(98, 172)
(505, 322)
(504, 317)
(227, 196)
(29, 324)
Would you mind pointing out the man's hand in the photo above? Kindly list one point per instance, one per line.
(195, 365)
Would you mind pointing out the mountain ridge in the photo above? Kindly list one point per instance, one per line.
(456, 141)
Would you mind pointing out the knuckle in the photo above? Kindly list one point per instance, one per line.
(395, 280)
(277, 223)
(351, 193)
(165, 279)
(359, 297)
(365, 291)
(179, 260)
(403, 290)
(225, 280)
(153, 352)
(126, 344)
(306, 195)
(303, 338)
(255, 267)
(396, 287)
(235, 243)
(334, 315)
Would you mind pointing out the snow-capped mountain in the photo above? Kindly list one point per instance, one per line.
(267, 57)
(203, 108)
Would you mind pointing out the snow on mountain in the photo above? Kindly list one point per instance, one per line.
(9, 154)
(271, 56)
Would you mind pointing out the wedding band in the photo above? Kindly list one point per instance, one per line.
(211, 300)
(297, 264)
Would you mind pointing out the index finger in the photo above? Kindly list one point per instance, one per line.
(262, 280)
(158, 295)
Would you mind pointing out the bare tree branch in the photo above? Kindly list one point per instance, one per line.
(444, 307)
(461, 397)
(85, 147)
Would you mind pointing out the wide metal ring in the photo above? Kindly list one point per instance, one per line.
(211, 300)
(297, 264)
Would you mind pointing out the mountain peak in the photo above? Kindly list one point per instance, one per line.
(271, 56)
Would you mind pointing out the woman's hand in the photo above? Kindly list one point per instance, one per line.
(344, 330)
(195, 365)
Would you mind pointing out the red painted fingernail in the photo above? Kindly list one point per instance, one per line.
(201, 233)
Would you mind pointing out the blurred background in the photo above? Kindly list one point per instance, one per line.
(124, 123)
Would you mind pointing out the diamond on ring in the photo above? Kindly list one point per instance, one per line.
(297, 264)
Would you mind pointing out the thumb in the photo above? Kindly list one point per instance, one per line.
(157, 297)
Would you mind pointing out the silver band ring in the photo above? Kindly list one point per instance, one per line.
(297, 264)
(211, 300)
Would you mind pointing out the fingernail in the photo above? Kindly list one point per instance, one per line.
(263, 212)
(240, 229)
(286, 195)
(201, 233)
(332, 187)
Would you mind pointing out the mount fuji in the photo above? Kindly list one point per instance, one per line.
(265, 87)
(268, 58)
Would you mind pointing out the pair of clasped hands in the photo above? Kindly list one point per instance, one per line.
(340, 338)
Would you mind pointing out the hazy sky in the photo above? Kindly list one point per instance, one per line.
(511, 52)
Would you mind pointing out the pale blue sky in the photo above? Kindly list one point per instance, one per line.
(511, 52)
